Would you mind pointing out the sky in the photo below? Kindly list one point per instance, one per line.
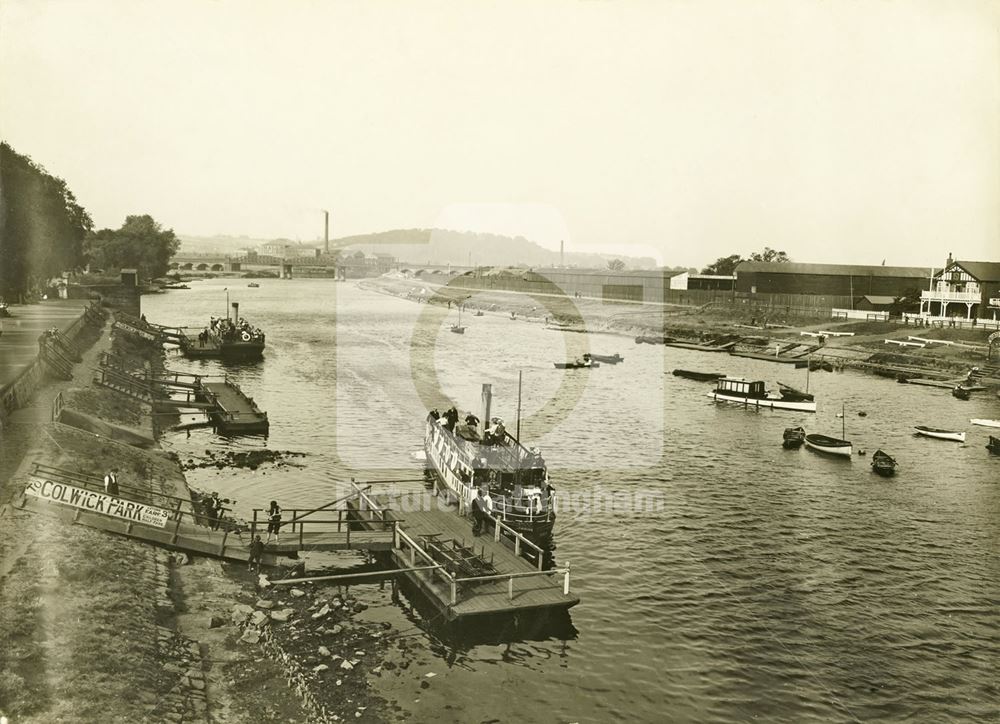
(837, 131)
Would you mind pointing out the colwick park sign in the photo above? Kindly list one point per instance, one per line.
(97, 502)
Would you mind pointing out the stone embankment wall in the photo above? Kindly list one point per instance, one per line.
(17, 393)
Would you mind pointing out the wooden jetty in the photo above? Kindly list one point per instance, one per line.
(462, 576)
(233, 412)
(170, 522)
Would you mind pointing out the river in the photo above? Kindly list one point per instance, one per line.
(728, 579)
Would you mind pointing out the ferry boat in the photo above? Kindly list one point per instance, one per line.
(463, 457)
(751, 393)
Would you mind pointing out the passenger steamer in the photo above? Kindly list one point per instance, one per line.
(464, 457)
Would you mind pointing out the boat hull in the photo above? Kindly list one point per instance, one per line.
(763, 402)
(950, 435)
(699, 376)
(986, 423)
(829, 445)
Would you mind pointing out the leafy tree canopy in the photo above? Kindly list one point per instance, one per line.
(141, 243)
(616, 265)
(42, 226)
(726, 265)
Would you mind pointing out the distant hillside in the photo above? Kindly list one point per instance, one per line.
(441, 246)
(437, 246)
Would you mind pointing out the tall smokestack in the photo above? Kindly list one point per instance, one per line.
(326, 232)
(562, 261)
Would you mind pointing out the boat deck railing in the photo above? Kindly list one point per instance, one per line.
(414, 552)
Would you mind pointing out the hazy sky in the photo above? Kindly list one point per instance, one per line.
(837, 130)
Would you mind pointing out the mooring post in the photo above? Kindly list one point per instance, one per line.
(222, 546)
(566, 581)
(510, 588)
(454, 592)
(517, 545)
(496, 532)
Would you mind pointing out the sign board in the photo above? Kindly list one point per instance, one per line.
(97, 502)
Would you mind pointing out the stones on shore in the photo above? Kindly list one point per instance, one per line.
(282, 615)
(250, 459)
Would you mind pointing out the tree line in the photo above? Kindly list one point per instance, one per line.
(45, 231)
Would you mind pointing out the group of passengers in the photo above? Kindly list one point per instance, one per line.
(227, 330)
(495, 434)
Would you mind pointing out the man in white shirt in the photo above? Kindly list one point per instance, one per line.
(482, 508)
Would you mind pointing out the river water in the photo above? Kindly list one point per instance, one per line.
(722, 577)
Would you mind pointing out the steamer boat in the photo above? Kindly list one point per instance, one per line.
(465, 456)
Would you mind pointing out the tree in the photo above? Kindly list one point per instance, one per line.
(140, 243)
(616, 265)
(769, 255)
(723, 266)
(42, 226)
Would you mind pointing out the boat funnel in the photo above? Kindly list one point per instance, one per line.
(236, 311)
(487, 402)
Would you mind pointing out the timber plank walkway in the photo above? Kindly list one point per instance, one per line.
(519, 585)
(234, 411)
(170, 522)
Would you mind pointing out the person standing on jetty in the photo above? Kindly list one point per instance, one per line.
(482, 506)
(273, 521)
(111, 482)
(256, 551)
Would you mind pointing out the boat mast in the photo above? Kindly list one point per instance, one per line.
(517, 435)
(843, 420)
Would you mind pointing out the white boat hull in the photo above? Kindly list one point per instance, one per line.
(986, 423)
(952, 436)
(766, 402)
(847, 452)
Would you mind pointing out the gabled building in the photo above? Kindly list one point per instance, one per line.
(965, 289)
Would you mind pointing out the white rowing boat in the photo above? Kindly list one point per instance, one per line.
(952, 435)
(986, 423)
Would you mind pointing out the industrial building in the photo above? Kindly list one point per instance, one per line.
(845, 280)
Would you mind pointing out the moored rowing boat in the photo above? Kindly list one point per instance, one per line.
(939, 434)
(830, 445)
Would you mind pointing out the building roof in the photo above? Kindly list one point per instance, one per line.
(984, 271)
(878, 299)
(857, 270)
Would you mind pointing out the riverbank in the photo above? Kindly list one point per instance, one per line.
(858, 345)
(99, 627)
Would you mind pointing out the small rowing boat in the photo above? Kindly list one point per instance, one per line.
(952, 435)
(994, 445)
(700, 376)
(793, 437)
(611, 359)
(830, 445)
(576, 364)
(790, 393)
(883, 464)
(986, 423)
(961, 393)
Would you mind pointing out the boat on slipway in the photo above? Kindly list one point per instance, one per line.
(939, 434)
(751, 393)
(464, 457)
(985, 423)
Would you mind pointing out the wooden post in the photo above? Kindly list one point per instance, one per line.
(454, 592)
(395, 535)
(413, 557)
(566, 581)
(510, 588)
(222, 546)
(517, 545)
(541, 558)
(496, 533)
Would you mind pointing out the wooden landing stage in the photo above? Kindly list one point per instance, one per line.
(169, 521)
(233, 411)
(465, 576)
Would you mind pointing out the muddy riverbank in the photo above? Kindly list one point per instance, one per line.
(99, 627)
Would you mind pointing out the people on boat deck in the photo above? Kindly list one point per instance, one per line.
(482, 507)
(451, 419)
(273, 521)
(471, 420)
(435, 414)
(495, 433)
